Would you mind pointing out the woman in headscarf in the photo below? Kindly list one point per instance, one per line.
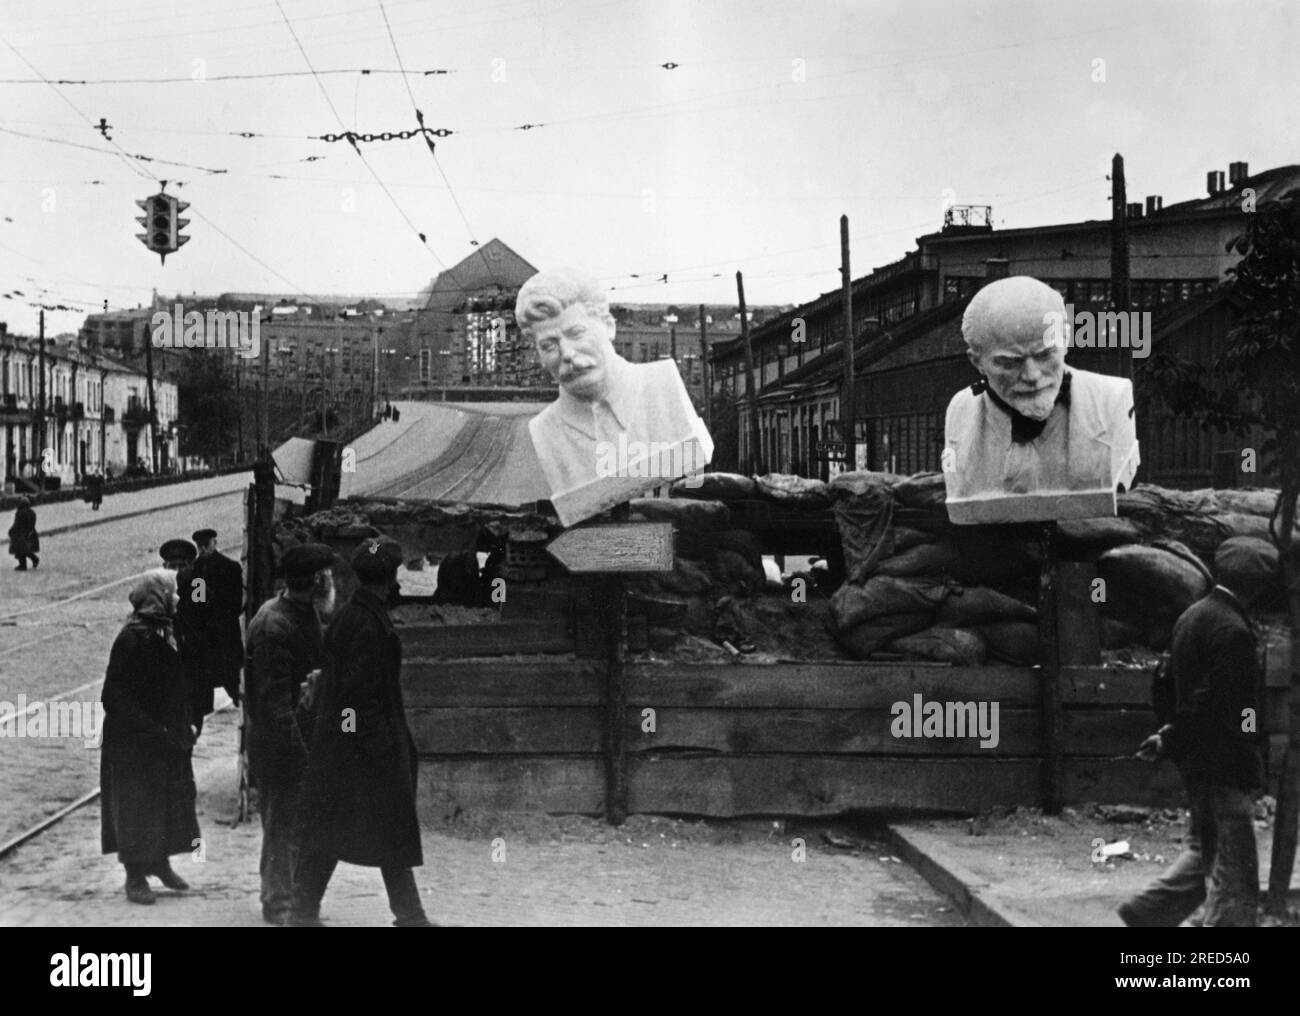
(23, 541)
(146, 774)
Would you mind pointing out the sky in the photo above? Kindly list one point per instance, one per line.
(772, 120)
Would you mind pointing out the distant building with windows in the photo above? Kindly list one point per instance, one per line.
(96, 413)
(910, 357)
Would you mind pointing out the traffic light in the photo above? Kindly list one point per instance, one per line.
(162, 224)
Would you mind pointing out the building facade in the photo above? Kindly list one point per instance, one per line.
(95, 416)
(909, 355)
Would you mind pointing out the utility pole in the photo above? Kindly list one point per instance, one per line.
(153, 416)
(704, 372)
(1119, 259)
(672, 342)
(264, 445)
(40, 404)
(755, 458)
(849, 407)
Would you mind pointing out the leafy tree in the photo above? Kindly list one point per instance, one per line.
(208, 407)
(1254, 382)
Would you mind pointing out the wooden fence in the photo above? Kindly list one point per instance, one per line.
(808, 738)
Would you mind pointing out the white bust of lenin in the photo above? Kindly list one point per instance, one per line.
(617, 428)
(1033, 440)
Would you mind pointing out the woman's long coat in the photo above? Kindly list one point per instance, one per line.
(146, 773)
(358, 800)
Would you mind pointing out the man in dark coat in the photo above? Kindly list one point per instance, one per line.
(283, 651)
(213, 588)
(358, 800)
(1213, 667)
(24, 542)
(146, 775)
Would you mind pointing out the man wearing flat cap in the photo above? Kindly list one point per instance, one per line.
(1033, 440)
(283, 652)
(212, 589)
(358, 799)
(1210, 733)
(178, 554)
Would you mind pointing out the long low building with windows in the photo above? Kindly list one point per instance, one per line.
(95, 418)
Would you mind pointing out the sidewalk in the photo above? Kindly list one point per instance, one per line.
(66, 516)
(1022, 868)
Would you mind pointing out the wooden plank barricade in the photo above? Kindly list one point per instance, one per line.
(753, 738)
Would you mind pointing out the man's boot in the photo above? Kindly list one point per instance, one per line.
(137, 885)
(163, 870)
(404, 899)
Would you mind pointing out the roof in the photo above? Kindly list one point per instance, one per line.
(493, 266)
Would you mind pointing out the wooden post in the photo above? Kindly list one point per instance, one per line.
(755, 463)
(1286, 820)
(616, 701)
(1119, 256)
(1049, 669)
(704, 372)
(848, 410)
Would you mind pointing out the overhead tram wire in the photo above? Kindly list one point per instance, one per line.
(342, 127)
(419, 118)
(135, 167)
(126, 157)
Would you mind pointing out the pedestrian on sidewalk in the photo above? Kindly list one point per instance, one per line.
(146, 770)
(283, 654)
(358, 800)
(24, 542)
(213, 591)
(95, 490)
(1213, 675)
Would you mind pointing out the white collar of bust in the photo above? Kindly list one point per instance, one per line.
(578, 413)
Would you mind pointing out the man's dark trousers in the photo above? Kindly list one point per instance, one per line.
(1220, 844)
(312, 877)
(279, 810)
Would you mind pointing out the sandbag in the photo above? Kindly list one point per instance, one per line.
(1099, 532)
(924, 490)
(864, 522)
(869, 637)
(883, 595)
(714, 486)
(1185, 552)
(1014, 642)
(1149, 584)
(794, 490)
(1117, 634)
(926, 559)
(686, 579)
(944, 645)
(977, 605)
(859, 481)
(1246, 502)
(683, 513)
(732, 570)
(905, 538)
(1178, 515)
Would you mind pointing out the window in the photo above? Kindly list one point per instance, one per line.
(426, 362)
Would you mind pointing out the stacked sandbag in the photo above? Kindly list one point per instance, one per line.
(1146, 588)
(714, 487)
(794, 491)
